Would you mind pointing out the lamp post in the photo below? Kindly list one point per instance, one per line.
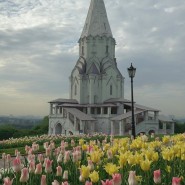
(131, 72)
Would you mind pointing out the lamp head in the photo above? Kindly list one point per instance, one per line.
(131, 71)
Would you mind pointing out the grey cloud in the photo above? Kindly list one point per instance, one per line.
(38, 45)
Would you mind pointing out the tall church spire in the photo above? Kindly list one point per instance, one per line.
(96, 22)
(95, 77)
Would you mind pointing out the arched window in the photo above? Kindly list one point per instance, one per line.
(110, 89)
(75, 89)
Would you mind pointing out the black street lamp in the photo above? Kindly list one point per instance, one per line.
(131, 72)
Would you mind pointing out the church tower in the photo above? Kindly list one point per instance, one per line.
(95, 77)
(96, 103)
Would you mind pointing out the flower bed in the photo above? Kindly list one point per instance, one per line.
(99, 160)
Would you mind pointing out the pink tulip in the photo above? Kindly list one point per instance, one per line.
(117, 179)
(66, 156)
(107, 182)
(176, 181)
(72, 142)
(27, 148)
(52, 145)
(24, 175)
(60, 158)
(16, 151)
(30, 151)
(109, 154)
(46, 144)
(7, 181)
(90, 149)
(79, 155)
(62, 143)
(40, 158)
(157, 176)
(88, 183)
(62, 149)
(32, 167)
(31, 157)
(57, 151)
(65, 183)
(55, 182)
(90, 165)
(48, 166)
(75, 156)
(8, 158)
(43, 180)
(35, 147)
(81, 179)
(3, 156)
(17, 166)
(38, 169)
(59, 171)
(48, 151)
(65, 175)
(132, 178)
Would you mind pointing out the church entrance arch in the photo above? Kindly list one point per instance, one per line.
(58, 129)
(151, 132)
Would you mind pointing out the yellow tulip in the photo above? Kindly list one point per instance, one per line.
(155, 156)
(94, 176)
(95, 156)
(122, 160)
(168, 169)
(85, 171)
(111, 168)
(145, 165)
(131, 159)
(84, 147)
(81, 141)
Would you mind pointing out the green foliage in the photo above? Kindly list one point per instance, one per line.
(9, 131)
(179, 127)
(42, 128)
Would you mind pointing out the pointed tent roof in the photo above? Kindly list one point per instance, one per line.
(97, 22)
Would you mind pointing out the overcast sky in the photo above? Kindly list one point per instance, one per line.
(38, 50)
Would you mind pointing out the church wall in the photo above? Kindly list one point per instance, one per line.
(111, 79)
(66, 126)
(103, 125)
(96, 46)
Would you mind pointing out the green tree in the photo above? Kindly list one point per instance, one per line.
(179, 127)
(7, 131)
(42, 128)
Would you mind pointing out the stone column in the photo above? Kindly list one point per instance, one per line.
(51, 108)
(109, 110)
(88, 110)
(102, 111)
(55, 109)
(156, 115)
(121, 128)
(93, 126)
(124, 124)
(75, 124)
(82, 126)
(112, 127)
(172, 128)
(164, 128)
(146, 116)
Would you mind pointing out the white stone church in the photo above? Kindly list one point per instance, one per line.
(97, 101)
